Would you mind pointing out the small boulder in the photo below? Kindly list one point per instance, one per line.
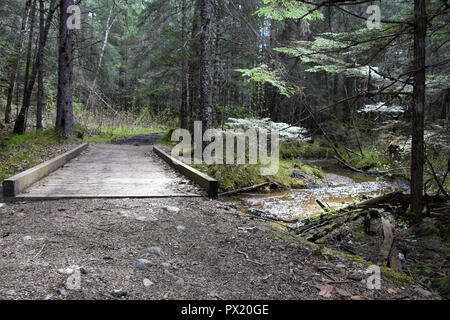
(142, 264)
(154, 250)
(148, 283)
(172, 209)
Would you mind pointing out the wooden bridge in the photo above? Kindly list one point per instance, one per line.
(107, 171)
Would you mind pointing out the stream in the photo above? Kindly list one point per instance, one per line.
(341, 188)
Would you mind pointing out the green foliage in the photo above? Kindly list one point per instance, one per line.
(288, 9)
(225, 112)
(264, 74)
(443, 285)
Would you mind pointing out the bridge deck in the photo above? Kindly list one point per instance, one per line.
(110, 171)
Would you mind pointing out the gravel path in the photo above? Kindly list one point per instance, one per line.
(167, 249)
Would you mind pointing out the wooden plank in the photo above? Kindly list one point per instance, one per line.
(36, 197)
(211, 185)
(18, 183)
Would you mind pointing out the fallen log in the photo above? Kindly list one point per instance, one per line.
(334, 224)
(327, 224)
(278, 185)
(369, 173)
(322, 205)
(267, 216)
(348, 166)
(397, 196)
(247, 189)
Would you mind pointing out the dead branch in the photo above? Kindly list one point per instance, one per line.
(242, 190)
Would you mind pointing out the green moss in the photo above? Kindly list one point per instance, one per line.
(318, 250)
(305, 150)
(350, 257)
(232, 177)
(443, 287)
(398, 277)
(313, 170)
(24, 151)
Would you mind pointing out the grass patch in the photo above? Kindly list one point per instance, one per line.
(167, 139)
(113, 134)
(21, 152)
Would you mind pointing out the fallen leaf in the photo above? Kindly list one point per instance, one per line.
(391, 291)
(325, 290)
(356, 298)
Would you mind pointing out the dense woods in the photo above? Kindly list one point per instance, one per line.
(305, 63)
(357, 92)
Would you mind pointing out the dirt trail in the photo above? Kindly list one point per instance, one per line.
(217, 253)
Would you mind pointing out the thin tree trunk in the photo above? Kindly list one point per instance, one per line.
(102, 53)
(218, 56)
(205, 83)
(184, 72)
(20, 125)
(40, 91)
(194, 65)
(64, 114)
(418, 120)
(16, 66)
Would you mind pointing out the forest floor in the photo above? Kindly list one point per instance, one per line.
(173, 249)
(202, 249)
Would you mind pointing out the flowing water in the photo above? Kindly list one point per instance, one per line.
(340, 188)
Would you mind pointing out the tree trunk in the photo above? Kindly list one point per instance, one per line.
(184, 72)
(102, 53)
(218, 56)
(445, 105)
(20, 125)
(64, 116)
(16, 66)
(205, 83)
(194, 65)
(418, 122)
(40, 91)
